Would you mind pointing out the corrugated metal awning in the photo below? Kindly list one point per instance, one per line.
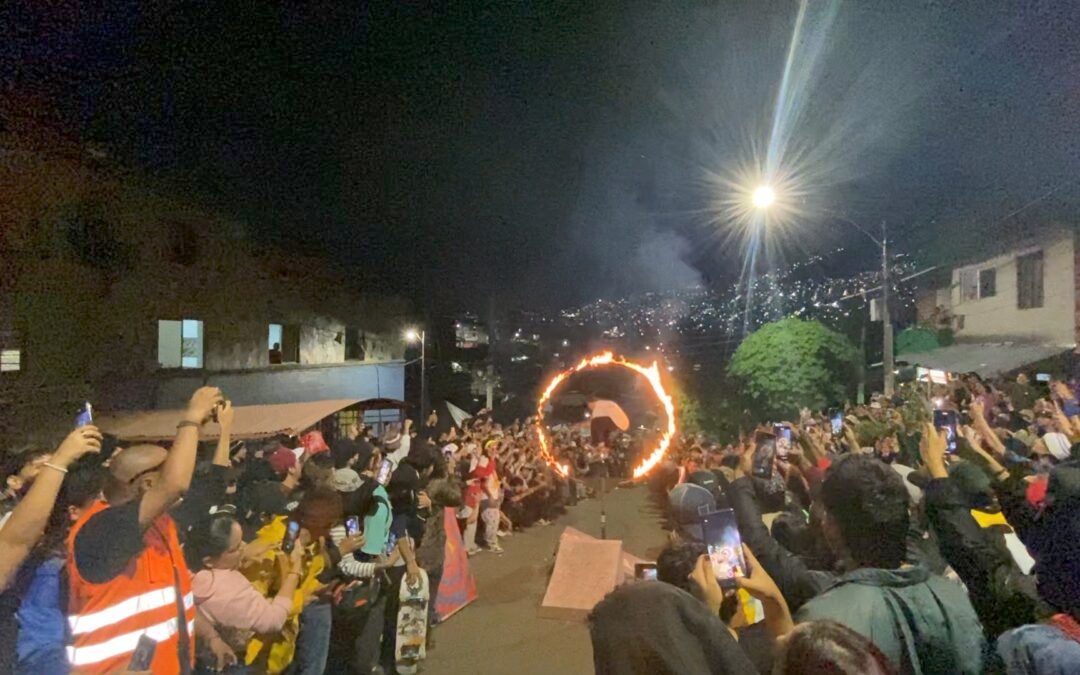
(986, 359)
(251, 421)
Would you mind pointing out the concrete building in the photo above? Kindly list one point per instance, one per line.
(119, 292)
(1022, 301)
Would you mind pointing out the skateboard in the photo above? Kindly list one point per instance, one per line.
(411, 643)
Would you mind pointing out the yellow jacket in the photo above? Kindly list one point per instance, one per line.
(274, 653)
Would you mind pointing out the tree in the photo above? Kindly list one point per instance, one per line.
(793, 364)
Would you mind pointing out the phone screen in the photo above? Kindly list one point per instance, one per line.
(783, 440)
(292, 530)
(945, 420)
(352, 526)
(85, 416)
(763, 459)
(1042, 377)
(836, 419)
(724, 546)
(143, 656)
(383, 475)
(391, 542)
(645, 571)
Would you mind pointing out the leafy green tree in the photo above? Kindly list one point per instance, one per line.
(792, 364)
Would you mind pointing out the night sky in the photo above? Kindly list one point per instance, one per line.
(545, 153)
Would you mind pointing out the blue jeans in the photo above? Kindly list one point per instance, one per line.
(313, 643)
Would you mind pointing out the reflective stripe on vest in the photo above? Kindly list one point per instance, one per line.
(151, 600)
(124, 644)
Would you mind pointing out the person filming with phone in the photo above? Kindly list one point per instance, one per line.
(129, 583)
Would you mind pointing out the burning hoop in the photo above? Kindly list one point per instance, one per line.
(651, 375)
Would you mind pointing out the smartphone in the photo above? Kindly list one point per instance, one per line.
(382, 476)
(352, 526)
(763, 459)
(85, 415)
(391, 543)
(945, 420)
(299, 452)
(143, 656)
(836, 419)
(645, 571)
(724, 545)
(783, 440)
(1042, 377)
(292, 530)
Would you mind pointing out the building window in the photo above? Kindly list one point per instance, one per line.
(969, 285)
(987, 283)
(180, 343)
(1029, 280)
(354, 344)
(10, 360)
(283, 341)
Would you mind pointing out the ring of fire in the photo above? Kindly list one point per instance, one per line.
(651, 375)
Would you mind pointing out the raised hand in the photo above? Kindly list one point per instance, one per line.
(932, 449)
(225, 415)
(202, 404)
(78, 443)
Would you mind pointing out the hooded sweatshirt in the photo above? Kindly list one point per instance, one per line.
(924, 623)
(653, 628)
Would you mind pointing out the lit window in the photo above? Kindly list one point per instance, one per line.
(274, 338)
(10, 360)
(180, 343)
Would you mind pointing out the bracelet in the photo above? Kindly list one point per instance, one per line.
(54, 466)
(187, 423)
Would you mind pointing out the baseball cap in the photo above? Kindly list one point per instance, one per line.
(688, 503)
(282, 460)
(392, 440)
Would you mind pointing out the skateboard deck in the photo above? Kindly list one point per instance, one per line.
(411, 643)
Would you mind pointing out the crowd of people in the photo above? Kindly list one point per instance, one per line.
(877, 539)
(935, 531)
(286, 554)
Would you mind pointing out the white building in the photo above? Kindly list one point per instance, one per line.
(1014, 308)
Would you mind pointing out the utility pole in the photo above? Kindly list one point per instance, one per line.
(489, 385)
(886, 326)
(423, 378)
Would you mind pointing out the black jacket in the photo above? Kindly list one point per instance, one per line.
(653, 628)
(1001, 593)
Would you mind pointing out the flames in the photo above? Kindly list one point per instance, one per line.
(651, 375)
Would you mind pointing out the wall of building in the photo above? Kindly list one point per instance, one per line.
(998, 318)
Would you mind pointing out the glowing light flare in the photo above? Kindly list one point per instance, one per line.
(763, 197)
(651, 375)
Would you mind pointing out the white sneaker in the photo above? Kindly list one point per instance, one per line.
(504, 533)
(473, 551)
(495, 548)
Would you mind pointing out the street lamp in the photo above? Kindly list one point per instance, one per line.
(764, 196)
(414, 335)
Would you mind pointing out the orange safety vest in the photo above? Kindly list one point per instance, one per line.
(107, 620)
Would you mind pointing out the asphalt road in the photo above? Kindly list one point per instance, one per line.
(500, 632)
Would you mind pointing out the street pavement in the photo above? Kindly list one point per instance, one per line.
(501, 632)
